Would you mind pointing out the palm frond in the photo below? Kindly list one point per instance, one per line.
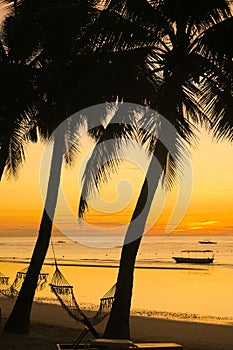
(111, 32)
(71, 128)
(212, 44)
(218, 103)
(108, 153)
(17, 113)
(17, 141)
(175, 139)
(140, 11)
(199, 14)
(216, 87)
(193, 109)
(153, 127)
(149, 126)
(33, 135)
(72, 152)
(175, 163)
(3, 54)
(53, 26)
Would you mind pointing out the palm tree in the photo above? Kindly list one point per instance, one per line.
(61, 77)
(16, 111)
(193, 71)
(21, 54)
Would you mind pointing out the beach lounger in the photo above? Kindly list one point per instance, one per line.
(157, 346)
(110, 344)
(113, 344)
(120, 344)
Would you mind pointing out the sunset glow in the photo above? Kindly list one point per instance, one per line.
(210, 210)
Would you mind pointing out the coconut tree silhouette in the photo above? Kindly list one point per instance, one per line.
(192, 73)
(66, 81)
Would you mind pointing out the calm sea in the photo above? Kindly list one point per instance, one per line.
(161, 287)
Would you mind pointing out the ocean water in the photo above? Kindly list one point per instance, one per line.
(162, 288)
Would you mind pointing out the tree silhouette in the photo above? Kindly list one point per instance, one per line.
(191, 68)
(68, 80)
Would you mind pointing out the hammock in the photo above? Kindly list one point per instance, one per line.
(4, 281)
(65, 294)
(13, 290)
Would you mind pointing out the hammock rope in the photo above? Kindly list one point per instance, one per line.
(4, 281)
(65, 295)
(13, 290)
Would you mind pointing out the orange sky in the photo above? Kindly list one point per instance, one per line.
(210, 210)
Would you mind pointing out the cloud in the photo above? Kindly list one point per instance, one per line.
(208, 222)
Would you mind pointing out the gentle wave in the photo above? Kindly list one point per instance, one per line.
(183, 316)
(177, 316)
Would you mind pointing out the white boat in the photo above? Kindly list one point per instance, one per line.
(207, 241)
(195, 257)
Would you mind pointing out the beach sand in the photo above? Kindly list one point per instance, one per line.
(51, 325)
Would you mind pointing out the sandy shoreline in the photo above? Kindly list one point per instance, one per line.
(51, 324)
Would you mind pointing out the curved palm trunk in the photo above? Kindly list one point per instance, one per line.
(118, 324)
(19, 319)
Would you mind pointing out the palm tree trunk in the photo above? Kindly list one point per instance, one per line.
(118, 326)
(19, 319)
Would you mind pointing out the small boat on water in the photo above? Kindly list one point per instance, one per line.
(195, 257)
(207, 241)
